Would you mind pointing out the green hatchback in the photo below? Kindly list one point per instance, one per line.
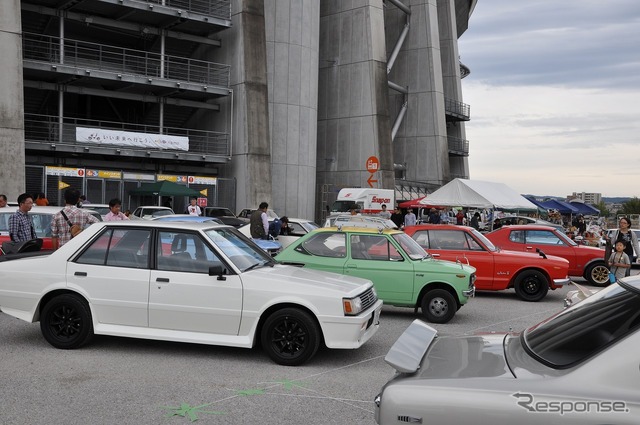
(402, 272)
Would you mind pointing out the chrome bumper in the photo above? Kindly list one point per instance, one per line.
(561, 282)
(470, 293)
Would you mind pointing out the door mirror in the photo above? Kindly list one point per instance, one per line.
(217, 270)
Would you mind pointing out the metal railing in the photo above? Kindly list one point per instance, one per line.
(216, 8)
(45, 129)
(120, 60)
(457, 109)
(458, 146)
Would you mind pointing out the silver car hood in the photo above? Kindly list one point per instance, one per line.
(422, 354)
(419, 351)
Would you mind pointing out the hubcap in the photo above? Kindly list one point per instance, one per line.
(438, 307)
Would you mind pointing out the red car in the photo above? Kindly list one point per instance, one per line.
(584, 261)
(41, 217)
(530, 274)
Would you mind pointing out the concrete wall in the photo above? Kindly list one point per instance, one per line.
(244, 48)
(292, 39)
(12, 170)
(353, 110)
(421, 141)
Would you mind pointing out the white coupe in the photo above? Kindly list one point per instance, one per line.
(190, 282)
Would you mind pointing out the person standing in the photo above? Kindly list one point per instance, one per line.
(3, 201)
(410, 218)
(114, 213)
(259, 222)
(475, 221)
(619, 261)
(384, 213)
(69, 217)
(41, 200)
(193, 208)
(460, 218)
(626, 235)
(20, 224)
(396, 217)
(434, 217)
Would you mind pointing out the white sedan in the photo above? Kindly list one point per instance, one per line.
(188, 282)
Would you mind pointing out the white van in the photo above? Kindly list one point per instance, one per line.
(369, 201)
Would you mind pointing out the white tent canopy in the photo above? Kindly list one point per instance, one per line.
(478, 194)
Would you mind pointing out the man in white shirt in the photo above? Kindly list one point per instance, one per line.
(194, 209)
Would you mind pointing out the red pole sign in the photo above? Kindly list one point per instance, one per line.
(373, 164)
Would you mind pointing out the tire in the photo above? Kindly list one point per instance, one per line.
(531, 285)
(597, 274)
(290, 336)
(438, 306)
(65, 322)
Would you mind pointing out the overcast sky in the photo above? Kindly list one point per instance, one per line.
(554, 92)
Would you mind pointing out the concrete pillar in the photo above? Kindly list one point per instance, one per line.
(452, 85)
(245, 50)
(292, 39)
(353, 108)
(12, 174)
(421, 141)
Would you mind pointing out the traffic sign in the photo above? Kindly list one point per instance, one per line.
(373, 164)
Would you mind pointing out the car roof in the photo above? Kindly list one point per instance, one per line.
(158, 207)
(354, 229)
(168, 224)
(185, 217)
(430, 226)
(526, 227)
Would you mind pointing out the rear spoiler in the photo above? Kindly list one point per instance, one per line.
(406, 354)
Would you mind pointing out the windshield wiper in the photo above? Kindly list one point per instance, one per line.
(253, 266)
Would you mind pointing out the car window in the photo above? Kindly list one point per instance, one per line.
(410, 247)
(575, 334)
(448, 239)
(325, 244)
(241, 252)
(422, 237)
(482, 238)
(118, 248)
(42, 224)
(373, 247)
(4, 223)
(517, 236)
(297, 229)
(184, 252)
(542, 237)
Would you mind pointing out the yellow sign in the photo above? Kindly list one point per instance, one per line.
(62, 185)
(204, 192)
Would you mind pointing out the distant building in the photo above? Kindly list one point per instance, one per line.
(587, 198)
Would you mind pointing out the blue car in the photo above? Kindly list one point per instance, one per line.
(271, 246)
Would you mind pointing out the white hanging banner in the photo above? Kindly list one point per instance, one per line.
(102, 136)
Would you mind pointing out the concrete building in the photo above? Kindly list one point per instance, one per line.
(587, 198)
(243, 100)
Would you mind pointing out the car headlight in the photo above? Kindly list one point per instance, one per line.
(352, 306)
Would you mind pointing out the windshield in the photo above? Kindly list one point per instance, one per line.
(343, 206)
(411, 247)
(243, 253)
(566, 238)
(577, 333)
(309, 225)
(482, 238)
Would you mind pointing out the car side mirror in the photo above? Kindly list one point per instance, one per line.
(217, 270)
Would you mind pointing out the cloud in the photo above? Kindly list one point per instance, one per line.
(554, 141)
(554, 91)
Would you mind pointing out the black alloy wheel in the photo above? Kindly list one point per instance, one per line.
(290, 336)
(65, 322)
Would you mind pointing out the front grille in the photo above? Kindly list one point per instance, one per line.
(368, 299)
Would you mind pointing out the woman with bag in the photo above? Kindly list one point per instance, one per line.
(626, 235)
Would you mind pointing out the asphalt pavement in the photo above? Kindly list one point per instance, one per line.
(132, 381)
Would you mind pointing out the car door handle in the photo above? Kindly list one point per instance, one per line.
(352, 266)
(162, 279)
(529, 247)
(80, 274)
